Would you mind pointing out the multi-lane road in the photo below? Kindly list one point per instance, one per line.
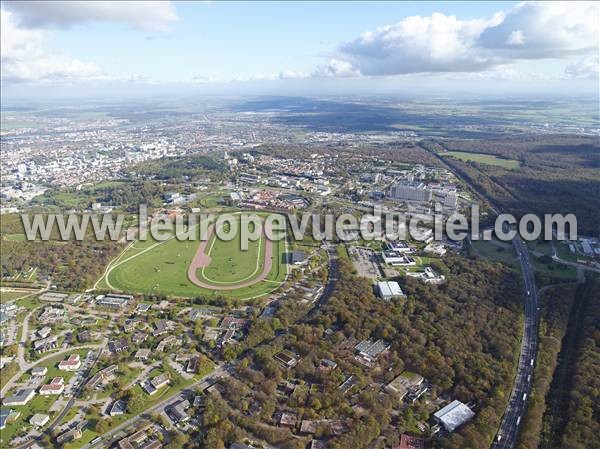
(507, 435)
(511, 421)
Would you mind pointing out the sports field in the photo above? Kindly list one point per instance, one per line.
(198, 268)
(482, 158)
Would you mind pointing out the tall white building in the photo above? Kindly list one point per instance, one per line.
(411, 192)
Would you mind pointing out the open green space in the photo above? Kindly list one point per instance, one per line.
(153, 267)
(482, 158)
(564, 252)
(15, 237)
(499, 251)
(555, 271)
(495, 250)
(213, 200)
(11, 295)
(541, 247)
(229, 264)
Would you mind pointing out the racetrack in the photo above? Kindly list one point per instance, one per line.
(202, 259)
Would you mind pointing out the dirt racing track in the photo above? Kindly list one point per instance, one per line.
(202, 259)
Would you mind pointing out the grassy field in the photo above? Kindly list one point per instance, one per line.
(213, 200)
(503, 252)
(482, 158)
(161, 267)
(15, 237)
(496, 250)
(11, 295)
(230, 265)
(540, 246)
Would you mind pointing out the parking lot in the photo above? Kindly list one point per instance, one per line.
(365, 261)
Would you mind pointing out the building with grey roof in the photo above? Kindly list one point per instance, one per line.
(453, 415)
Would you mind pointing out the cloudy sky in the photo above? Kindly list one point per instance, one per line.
(301, 47)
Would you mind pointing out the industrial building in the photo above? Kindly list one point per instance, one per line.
(453, 415)
(389, 290)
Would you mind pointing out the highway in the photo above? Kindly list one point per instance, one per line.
(506, 437)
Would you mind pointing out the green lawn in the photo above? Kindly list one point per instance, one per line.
(496, 250)
(558, 272)
(540, 246)
(6, 296)
(15, 237)
(161, 267)
(565, 253)
(39, 404)
(504, 252)
(212, 200)
(29, 303)
(482, 158)
(229, 264)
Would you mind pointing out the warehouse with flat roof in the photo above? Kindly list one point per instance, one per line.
(389, 290)
(453, 415)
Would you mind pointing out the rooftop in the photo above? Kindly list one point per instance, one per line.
(454, 415)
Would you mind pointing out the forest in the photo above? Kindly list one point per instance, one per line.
(72, 265)
(558, 175)
(573, 401)
(182, 168)
(556, 308)
(462, 337)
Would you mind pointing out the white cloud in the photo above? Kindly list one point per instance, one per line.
(587, 68)
(24, 57)
(336, 68)
(143, 15)
(515, 38)
(417, 44)
(536, 30)
(441, 43)
(25, 31)
(291, 75)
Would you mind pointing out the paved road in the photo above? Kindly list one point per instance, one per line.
(67, 407)
(24, 336)
(333, 275)
(202, 384)
(506, 437)
(77, 391)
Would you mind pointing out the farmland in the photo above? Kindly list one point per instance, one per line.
(481, 158)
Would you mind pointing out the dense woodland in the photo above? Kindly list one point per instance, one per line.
(123, 195)
(573, 403)
(73, 265)
(556, 308)
(462, 336)
(182, 168)
(558, 174)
